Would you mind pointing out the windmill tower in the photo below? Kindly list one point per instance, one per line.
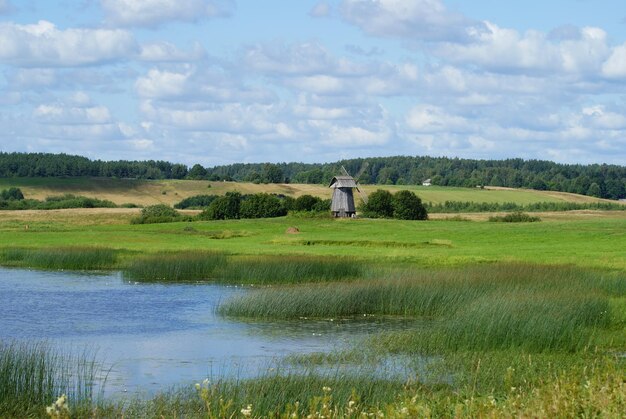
(342, 204)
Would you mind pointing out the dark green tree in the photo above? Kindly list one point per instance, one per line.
(594, 190)
(197, 172)
(12, 194)
(379, 205)
(408, 206)
(305, 203)
(272, 174)
(223, 208)
(262, 205)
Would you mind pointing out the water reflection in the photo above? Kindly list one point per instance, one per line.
(155, 336)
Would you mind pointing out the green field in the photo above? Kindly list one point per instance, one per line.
(148, 192)
(592, 241)
(530, 317)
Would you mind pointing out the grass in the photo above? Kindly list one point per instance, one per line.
(218, 267)
(519, 306)
(585, 240)
(523, 319)
(291, 270)
(71, 258)
(174, 267)
(33, 375)
(150, 192)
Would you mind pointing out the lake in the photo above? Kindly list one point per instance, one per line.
(150, 337)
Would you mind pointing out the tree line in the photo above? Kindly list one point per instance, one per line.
(600, 180)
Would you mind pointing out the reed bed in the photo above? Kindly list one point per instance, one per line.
(290, 270)
(522, 306)
(70, 258)
(175, 267)
(220, 268)
(33, 375)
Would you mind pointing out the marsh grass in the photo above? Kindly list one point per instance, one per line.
(291, 270)
(70, 258)
(33, 375)
(174, 267)
(530, 307)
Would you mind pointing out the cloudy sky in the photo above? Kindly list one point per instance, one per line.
(224, 81)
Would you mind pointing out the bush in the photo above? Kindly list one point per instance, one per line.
(197, 201)
(408, 206)
(379, 205)
(262, 205)
(223, 208)
(11, 194)
(515, 217)
(305, 203)
(159, 213)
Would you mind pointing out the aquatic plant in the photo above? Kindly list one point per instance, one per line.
(290, 270)
(32, 375)
(501, 306)
(174, 267)
(71, 258)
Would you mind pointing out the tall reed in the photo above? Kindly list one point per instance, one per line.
(70, 258)
(290, 270)
(500, 306)
(174, 267)
(33, 375)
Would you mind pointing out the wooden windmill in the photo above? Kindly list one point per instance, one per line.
(343, 197)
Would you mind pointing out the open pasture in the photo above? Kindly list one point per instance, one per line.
(585, 239)
(149, 192)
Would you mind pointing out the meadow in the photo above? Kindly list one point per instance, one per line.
(150, 192)
(517, 319)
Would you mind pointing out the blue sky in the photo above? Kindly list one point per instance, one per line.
(225, 81)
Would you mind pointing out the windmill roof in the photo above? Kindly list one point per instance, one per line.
(342, 182)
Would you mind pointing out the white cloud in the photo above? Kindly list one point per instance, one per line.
(506, 50)
(162, 84)
(598, 117)
(427, 118)
(152, 13)
(198, 84)
(167, 52)
(321, 9)
(615, 65)
(417, 20)
(63, 115)
(43, 45)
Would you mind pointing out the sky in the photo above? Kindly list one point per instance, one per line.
(241, 81)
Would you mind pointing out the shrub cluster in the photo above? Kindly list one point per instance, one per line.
(159, 213)
(403, 205)
(13, 199)
(11, 194)
(515, 217)
(196, 202)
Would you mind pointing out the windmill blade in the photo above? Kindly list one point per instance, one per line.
(362, 194)
(361, 171)
(345, 172)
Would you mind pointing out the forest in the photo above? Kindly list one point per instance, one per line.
(600, 180)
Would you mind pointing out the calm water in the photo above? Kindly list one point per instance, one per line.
(153, 336)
